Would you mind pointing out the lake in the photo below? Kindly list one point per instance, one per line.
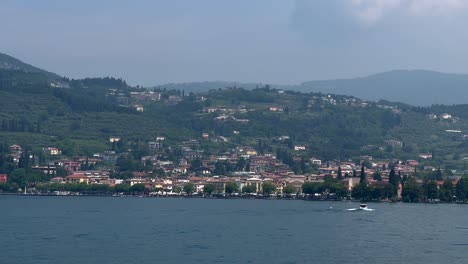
(170, 230)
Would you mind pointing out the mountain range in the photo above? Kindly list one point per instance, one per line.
(414, 87)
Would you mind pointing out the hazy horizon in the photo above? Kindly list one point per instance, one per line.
(277, 42)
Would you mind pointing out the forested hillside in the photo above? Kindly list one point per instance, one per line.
(79, 116)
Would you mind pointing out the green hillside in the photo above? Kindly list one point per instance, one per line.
(80, 117)
(8, 62)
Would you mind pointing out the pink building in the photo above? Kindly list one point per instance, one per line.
(3, 178)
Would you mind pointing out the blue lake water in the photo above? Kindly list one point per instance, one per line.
(147, 230)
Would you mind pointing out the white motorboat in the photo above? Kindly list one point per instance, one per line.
(362, 207)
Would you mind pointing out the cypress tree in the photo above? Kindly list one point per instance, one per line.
(339, 176)
(460, 190)
(439, 175)
(363, 174)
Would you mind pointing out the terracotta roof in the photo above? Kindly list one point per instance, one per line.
(77, 176)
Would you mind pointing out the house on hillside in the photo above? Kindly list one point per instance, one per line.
(77, 178)
(139, 108)
(52, 151)
(15, 148)
(426, 156)
(3, 178)
(114, 139)
(394, 143)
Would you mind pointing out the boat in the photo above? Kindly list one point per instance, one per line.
(362, 207)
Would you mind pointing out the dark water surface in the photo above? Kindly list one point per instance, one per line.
(143, 230)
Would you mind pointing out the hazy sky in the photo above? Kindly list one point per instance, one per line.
(270, 41)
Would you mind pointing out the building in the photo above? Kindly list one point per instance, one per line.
(426, 156)
(351, 182)
(276, 109)
(49, 170)
(394, 143)
(446, 116)
(52, 151)
(139, 108)
(316, 162)
(298, 147)
(69, 165)
(114, 139)
(155, 145)
(256, 182)
(77, 178)
(57, 180)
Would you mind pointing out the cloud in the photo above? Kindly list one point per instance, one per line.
(436, 7)
(369, 12)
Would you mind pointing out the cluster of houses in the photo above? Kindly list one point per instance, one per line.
(174, 175)
(264, 169)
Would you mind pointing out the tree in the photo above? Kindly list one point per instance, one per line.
(411, 191)
(460, 190)
(363, 175)
(303, 165)
(18, 177)
(289, 189)
(249, 189)
(393, 180)
(220, 169)
(241, 164)
(268, 188)
(439, 176)
(361, 192)
(61, 172)
(339, 176)
(388, 191)
(122, 188)
(247, 167)
(126, 163)
(196, 165)
(310, 188)
(431, 190)
(231, 187)
(24, 160)
(377, 176)
(137, 188)
(177, 189)
(446, 192)
(189, 188)
(208, 189)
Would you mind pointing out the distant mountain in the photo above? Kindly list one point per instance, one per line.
(197, 87)
(8, 62)
(415, 87)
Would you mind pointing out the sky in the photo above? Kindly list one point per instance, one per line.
(151, 42)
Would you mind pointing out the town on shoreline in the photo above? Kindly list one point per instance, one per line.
(108, 138)
(243, 173)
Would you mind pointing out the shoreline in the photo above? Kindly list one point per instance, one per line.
(212, 198)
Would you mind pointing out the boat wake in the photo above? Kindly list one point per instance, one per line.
(362, 207)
